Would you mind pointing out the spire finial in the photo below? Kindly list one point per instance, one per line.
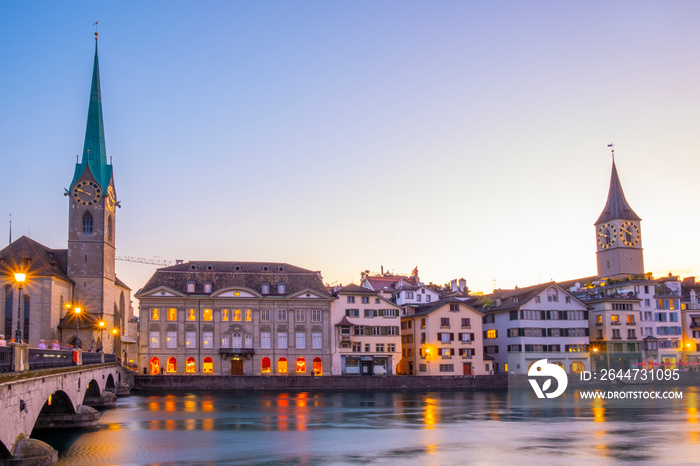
(96, 33)
(612, 146)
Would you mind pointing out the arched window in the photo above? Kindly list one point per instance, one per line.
(155, 366)
(208, 366)
(172, 365)
(110, 230)
(190, 366)
(87, 222)
(265, 365)
(552, 295)
(301, 365)
(237, 340)
(265, 288)
(190, 287)
(577, 367)
(318, 366)
(282, 366)
(281, 288)
(25, 329)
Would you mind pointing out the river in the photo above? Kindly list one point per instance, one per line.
(426, 428)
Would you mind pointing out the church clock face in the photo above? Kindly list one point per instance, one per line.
(629, 233)
(607, 234)
(111, 199)
(87, 193)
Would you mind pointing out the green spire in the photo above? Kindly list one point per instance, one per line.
(94, 151)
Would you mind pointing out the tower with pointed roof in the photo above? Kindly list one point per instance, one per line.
(618, 234)
(92, 217)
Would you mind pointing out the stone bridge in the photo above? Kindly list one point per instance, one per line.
(50, 398)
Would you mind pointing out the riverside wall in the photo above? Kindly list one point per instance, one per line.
(301, 383)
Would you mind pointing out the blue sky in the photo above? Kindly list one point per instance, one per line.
(468, 138)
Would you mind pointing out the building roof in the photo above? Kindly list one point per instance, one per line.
(434, 306)
(387, 282)
(235, 274)
(94, 150)
(42, 261)
(355, 289)
(344, 322)
(616, 206)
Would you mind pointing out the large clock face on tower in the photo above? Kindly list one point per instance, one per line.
(629, 233)
(111, 199)
(87, 193)
(607, 234)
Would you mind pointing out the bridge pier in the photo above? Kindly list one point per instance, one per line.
(84, 417)
(106, 400)
(31, 452)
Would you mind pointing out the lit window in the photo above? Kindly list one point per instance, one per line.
(207, 340)
(491, 333)
(236, 315)
(208, 366)
(248, 315)
(614, 318)
(224, 315)
(190, 366)
(282, 366)
(191, 315)
(207, 287)
(318, 366)
(155, 366)
(599, 319)
(172, 314)
(155, 315)
(301, 365)
(207, 314)
(265, 365)
(172, 365)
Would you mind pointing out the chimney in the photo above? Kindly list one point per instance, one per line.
(693, 300)
(453, 284)
(462, 285)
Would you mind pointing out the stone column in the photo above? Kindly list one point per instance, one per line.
(20, 356)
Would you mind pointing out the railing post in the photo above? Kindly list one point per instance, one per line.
(77, 357)
(20, 356)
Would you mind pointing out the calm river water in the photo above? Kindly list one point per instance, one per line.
(439, 428)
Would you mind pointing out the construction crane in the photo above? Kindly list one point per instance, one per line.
(142, 260)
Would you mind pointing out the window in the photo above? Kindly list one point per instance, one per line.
(599, 319)
(171, 340)
(630, 318)
(600, 335)
(282, 366)
(631, 335)
(299, 315)
(364, 299)
(537, 300)
(409, 295)
(444, 337)
(376, 330)
(264, 315)
(568, 300)
(454, 307)
(316, 315)
(236, 315)
(190, 365)
(370, 313)
(191, 314)
(282, 340)
(301, 340)
(552, 295)
(172, 314)
(154, 340)
(444, 322)
(614, 318)
(491, 333)
(466, 323)
(172, 365)
(376, 301)
(248, 341)
(265, 365)
(208, 365)
(351, 300)
(281, 315)
(316, 341)
(87, 222)
(367, 348)
(190, 340)
(391, 348)
(447, 367)
(466, 337)
(265, 340)
(356, 347)
(616, 333)
(318, 366)
(237, 340)
(281, 288)
(422, 323)
(352, 312)
(207, 340)
(207, 315)
(379, 347)
(265, 288)
(301, 365)
(155, 366)
(226, 341)
(207, 287)
(155, 314)
(224, 315)
(190, 287)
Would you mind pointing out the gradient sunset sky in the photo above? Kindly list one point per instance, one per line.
(467, 138)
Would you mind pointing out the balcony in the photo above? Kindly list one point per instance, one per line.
(695, 325)
(617, 322)
(465, 342)
(446, 326)
(632, 323)
(467, 356)
(236, 351)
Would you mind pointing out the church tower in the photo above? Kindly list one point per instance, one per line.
(92, 219)
(618, 234)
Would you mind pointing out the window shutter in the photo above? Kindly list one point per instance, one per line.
(452, 351)
(472, 336)
(439, 337)
(452, 337)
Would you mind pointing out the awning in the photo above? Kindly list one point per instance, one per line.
(126, 339)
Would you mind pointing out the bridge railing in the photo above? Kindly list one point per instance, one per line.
(6, 362)
(110, 357)
(92, 358)
(47, 359)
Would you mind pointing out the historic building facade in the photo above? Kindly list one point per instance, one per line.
(70, 291)
(235, 318)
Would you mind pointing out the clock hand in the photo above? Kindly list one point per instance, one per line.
(626, 231)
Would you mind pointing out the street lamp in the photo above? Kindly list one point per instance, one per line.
(77, 327)
(115, 332)
(102, 341)
(19, 278)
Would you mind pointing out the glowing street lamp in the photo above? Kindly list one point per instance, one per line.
(19, 278)
(77, 311)
(115, 332)
(102, 324)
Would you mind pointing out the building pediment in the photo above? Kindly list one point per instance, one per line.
(161, 292)
(308, 294)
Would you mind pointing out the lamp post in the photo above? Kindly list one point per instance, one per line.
(102, 340)
(77, 327)
(115, 332)
(19, 277)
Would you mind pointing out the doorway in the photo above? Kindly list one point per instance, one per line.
(467, 368)
(236, 366)
(367, 368)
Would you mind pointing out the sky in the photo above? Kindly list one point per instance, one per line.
(467, 138)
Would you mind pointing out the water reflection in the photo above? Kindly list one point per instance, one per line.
(381, 427)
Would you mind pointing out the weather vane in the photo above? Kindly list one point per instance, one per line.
(95, 24)
(612, 146)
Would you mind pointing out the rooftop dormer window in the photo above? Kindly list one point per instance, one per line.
(207, 287)
(265, 268)
(265, 288)
(281, 288)
(190, 287)
(552, 295)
